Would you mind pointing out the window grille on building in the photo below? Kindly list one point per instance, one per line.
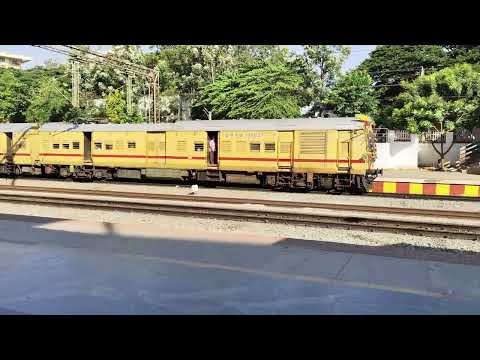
(432, 136)
(463, 136)
(402, 136)
(381, 135)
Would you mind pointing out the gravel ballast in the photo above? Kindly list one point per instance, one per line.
(286, 231)
(367, 240)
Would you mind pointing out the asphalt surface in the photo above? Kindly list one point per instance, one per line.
(52, 266)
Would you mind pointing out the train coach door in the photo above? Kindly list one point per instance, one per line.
(156, 149)
(344, 161)
(87, 146)
(285, 150)
(9, 152)
(212, 148)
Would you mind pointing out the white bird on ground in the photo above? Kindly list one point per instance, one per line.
(194, 189)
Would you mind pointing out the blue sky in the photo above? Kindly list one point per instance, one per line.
(39, 56)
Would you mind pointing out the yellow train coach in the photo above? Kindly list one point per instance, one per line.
(325, 154)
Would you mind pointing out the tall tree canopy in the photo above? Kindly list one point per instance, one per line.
(442, 101)
(353, 94)
(187, 68)
(254, 90)
(98, 80)
(48, 103)
(116, 109)
(13, 97)
(320, 66)
(389, 65)
(469, 54)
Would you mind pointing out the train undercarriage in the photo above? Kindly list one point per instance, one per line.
(334, 183)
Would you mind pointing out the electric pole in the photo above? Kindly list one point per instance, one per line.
(129, 95)
(91, 57)
(75, 84)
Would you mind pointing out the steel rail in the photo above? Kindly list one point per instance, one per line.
(436, 213)
(470, 232)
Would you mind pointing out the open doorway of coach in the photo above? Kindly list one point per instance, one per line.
(212, 147)
(87, 146)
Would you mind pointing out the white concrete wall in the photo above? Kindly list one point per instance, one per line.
(398, 155)
(411, 155)
(427, 156)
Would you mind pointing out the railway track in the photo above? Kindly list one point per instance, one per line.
(275, 211)
(274, 203)
(258, 188)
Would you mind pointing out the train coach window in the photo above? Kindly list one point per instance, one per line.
(269, 147)
(98, 146)
(108, 147)
(66, 146)
(132, 145)
(199, 146)
(254, 146)
(76, 145)
(56, 146)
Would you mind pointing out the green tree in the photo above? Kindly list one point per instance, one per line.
(190, 67)
(254, 90)
(353, 94)
(442, 101)
(389, 65)
(99, 79)
(319, 66)
(48, 103)
(116, 109)
(458, 54)
(13, 97)
(186, 69)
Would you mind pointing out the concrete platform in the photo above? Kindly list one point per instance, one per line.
(54, 266)
(421, 182)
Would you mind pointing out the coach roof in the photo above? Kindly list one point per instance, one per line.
(216, 125)
(15, 127)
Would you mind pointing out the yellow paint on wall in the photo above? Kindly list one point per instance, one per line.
(442, 189)
(415, 188)
(471, 190)
(389, 187)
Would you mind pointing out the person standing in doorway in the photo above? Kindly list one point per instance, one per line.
(211, 151)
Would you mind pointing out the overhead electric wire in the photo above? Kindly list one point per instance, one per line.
(124, 65)
(82, 59)
(109, 57)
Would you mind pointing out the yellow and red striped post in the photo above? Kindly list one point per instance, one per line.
(419, 188)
